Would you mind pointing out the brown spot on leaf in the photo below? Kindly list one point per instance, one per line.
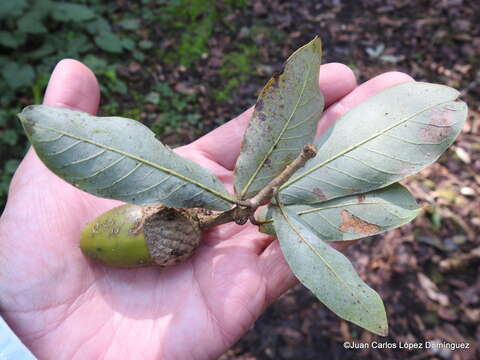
(319, 193)
(361, 198)
(351, 223)
(259, 105)
(276, 78)
(434, 134)
(276, 74)
(439, 126)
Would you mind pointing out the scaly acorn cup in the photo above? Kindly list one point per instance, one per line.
(137, 236)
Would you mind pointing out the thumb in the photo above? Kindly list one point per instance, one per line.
(73, 85)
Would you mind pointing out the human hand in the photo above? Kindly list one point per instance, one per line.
(63, 306)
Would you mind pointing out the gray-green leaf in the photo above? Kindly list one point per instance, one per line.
(393, 134)
(284, 120)
(355, 216)
(119, 158)
(328, 274)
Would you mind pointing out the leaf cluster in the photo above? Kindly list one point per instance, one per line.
(348, 191)
(45, 31)
(34, 36)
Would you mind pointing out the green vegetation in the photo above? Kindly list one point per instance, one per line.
(177, 108)
(195, 20)
(37, 34)
(106, 36)
(235, 69)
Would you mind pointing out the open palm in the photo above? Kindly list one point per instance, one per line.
(65, 307)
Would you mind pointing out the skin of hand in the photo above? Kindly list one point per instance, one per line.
(63, 306)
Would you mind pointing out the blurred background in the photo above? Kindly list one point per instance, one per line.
(183, 67)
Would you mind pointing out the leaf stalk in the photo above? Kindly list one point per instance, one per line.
(244, 210)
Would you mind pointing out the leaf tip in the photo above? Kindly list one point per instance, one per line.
(316, 45)
(380, 326)
(21, 117)
(382, 329)
(26, 119)
(313, 46)
(317, 41)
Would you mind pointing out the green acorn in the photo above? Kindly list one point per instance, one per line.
(136, 236)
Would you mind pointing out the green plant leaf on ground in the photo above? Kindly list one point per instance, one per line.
(32, 23)
(284, 120)
(328, 274)
(10, 40)
(237, 67)
(110, 42)
(129, 24)
(12, 8)
(64, 11)
(355, 216)
(395, 133)
(17, 76)
(104, 156)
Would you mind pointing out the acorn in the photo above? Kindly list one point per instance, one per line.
(136, 236)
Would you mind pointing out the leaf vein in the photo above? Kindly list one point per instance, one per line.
(336, 206)
(352, 176)
(392, 157)
(329, 183)
(371, 166)
(307, 119)
(149, 187)
(272, 148)
(357, 145)
(76, 162)
(328, 223)
(145, 161)
(435, 125)
(315, 251)
(49, 140)
(413, 142)
(64, 150)
(123, 177)
(172, 192)
(102, 170)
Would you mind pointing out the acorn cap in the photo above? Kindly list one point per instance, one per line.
(137, 236)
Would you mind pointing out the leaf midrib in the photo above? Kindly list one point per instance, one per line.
(134, 157)
(312, 248)
(303, 212)
(318, 209)
(285, 127)
(355, 146)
